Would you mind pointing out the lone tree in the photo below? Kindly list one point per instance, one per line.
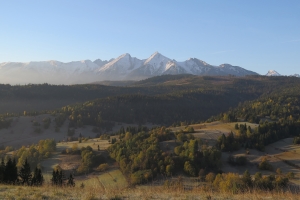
(71, 182)
(247, 179)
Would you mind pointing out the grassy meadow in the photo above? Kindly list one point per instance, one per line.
(97, 192)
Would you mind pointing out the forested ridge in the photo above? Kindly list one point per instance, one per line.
(161, 100)
(190, 102)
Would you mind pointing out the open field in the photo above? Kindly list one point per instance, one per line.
(111, 179)
(21, 132)
(139, 193)
(210, 132)
(275, 153)
(70, 162)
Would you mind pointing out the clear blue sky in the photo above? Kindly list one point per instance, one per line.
(256, 35)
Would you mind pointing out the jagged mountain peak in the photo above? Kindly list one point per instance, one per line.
(100, 62)
(296, 75)
(157, 57)
(272, 73)
(125, 55)
(119, 66)
(156, 53)
(198, 61)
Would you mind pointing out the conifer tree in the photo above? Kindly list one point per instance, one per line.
(2, 170)
(38, 178)
(58, 178)
(14, 170)
(71, 182)
(11, 172)
(61, 178)
(54, 179)
(247, 179)
(25, 173)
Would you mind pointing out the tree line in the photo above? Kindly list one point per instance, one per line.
(266, 133)
(9, 174)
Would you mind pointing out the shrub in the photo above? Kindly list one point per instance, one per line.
(181, 137)
(82, 169)
(104, 137)
(189, 129)
(141, 176)
(238, 160)
(290, 175)
(102, 167)
(278, 171)
(210, 177)
(265, 165)
(74, 147)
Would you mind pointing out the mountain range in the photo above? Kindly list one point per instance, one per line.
(275, 73)
(124, 67)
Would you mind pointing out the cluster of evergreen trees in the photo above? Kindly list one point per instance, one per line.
(9, 174)
(266, 133)
(59, 179)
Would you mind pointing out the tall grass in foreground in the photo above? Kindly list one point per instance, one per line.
(145, 192)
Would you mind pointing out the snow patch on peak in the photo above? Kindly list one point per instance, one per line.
(272, 73)
(169, 65)
(156, 57)
(120, 66)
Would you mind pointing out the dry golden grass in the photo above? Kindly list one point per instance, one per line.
(155, 192)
